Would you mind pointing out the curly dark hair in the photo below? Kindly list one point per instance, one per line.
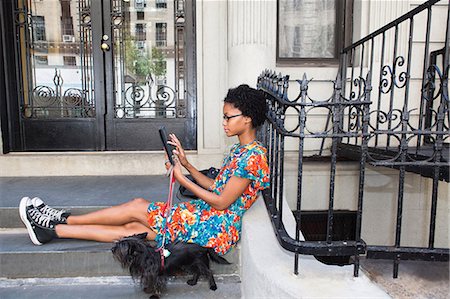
(250, 101)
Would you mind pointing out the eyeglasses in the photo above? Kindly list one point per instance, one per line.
(227, 118)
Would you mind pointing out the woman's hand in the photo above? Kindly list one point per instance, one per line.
(167, 162)
(179, 151)
(176, 168)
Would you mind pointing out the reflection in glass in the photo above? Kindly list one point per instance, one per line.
(145, 66)
(55, 57)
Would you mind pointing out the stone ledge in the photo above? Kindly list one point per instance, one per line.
(268, 270)
(94, 163)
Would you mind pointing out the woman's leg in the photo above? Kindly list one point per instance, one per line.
(132, 211)
(110, 224)
(103, 233)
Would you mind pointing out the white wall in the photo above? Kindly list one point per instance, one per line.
(380, 200)
(212, 74)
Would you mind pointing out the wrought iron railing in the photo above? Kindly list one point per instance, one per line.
(384, 111)
(275, 133)
(408, 121)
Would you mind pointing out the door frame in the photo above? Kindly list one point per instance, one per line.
(9, 116)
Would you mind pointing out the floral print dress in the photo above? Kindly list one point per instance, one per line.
(197, 222)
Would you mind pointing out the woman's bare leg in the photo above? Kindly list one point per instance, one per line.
(110, 224)
(103, 233)
(132, 211)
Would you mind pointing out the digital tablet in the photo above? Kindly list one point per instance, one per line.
(167, 147)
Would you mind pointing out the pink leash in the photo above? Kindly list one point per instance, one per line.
(166, 212)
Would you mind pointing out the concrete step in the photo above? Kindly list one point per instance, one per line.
(19, 258)
(54, 269)
(113, 287)
(79, 194)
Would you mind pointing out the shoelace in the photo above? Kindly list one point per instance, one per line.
(39, 218)
(53, 213)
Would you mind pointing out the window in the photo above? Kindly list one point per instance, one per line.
(161, 4)
(140, 15)
(140, 45)
(140, 32)
(70, 60)
(38, 28)
(309, 30)
(66, 19)
(41, 60)
(139, 4)
(161, 34)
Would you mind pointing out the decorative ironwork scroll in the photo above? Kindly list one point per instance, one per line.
(48, 102)
(145, 86)
(277, 131)
(42, 49)
(408, 126)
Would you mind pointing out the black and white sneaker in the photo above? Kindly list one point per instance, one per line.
(59, 216)
(41, 228)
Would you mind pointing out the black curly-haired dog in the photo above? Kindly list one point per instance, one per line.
(147, 265)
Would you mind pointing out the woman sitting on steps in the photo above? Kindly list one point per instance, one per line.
(213, 220)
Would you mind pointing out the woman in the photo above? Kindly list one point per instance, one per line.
(213, 220)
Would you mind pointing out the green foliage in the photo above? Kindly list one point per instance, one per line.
(142, 64)
(158, 63)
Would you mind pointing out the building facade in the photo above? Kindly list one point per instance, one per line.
(86, 83)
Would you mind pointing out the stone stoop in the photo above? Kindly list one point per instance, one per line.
(19, 258)
(81, 269)
(111, 287)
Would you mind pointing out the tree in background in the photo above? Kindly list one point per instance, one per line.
(158, 63)
(143, 65)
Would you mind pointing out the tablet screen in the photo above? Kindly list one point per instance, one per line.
(167, 147)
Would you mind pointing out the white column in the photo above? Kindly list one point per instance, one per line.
(251, 39)
(211, 74)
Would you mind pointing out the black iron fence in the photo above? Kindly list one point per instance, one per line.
(408, 126)
(278, 130)
(409, 119)
(389, 107)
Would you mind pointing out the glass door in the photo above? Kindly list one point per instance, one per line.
(151, 80)
(104, 75)
(58, 83)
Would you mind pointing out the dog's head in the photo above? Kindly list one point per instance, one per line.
(143, 261)
(127, 250)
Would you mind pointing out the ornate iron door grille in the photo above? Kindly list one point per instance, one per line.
(102, 75)
(63, 98)
(151, 79)
(142, 66)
